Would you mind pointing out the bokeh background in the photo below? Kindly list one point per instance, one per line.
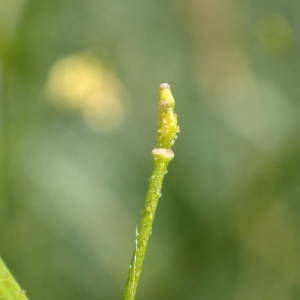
(78, 89)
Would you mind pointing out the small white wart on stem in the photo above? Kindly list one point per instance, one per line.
(163, 153)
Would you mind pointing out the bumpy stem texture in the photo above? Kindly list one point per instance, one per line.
(9, 288)
(162, 155)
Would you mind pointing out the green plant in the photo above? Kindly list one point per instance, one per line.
(162, 155)
(9, 288)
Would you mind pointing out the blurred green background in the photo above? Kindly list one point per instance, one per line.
(78, 90)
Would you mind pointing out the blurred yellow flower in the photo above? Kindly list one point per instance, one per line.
(81, 82)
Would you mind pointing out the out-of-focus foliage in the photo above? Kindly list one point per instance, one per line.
(78, 89)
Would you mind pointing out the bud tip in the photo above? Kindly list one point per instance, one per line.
(164, 86)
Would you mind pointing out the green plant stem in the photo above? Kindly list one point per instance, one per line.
(162, 155)
(9, 288)
(145, 228)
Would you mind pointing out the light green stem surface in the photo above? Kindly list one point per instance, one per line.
(162, 155)
(9, 288)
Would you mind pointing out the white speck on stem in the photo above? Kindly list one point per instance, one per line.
(162, 152)
(134, 261)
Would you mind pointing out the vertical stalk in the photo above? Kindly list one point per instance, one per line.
(162, 155)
